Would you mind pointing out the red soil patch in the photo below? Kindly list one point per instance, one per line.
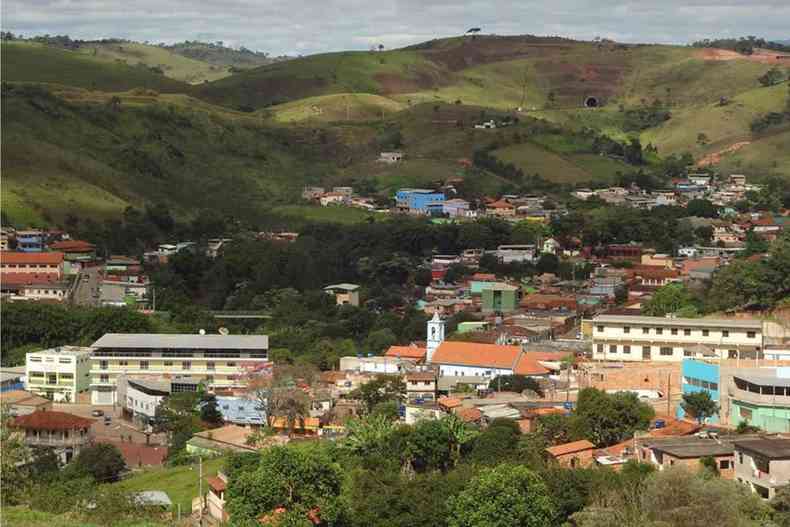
(715, 157)
(394, 83)
(764, 56)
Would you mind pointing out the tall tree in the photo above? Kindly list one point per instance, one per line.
(699, 405)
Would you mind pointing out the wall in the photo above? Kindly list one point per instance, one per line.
(770, 419)
(701, 371)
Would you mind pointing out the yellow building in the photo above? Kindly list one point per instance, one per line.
(221, 361)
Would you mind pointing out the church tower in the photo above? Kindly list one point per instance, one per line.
(435, 335)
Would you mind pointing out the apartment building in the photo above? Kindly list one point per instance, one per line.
(13, 262)
(639, 338)
(221, 361)
(58, 373)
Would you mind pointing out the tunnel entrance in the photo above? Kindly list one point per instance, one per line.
(591, 102)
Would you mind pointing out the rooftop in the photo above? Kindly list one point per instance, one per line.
(690, 322)
(42, 420)
(183, 341)
(13, 257)
(690, 446)
(21, 397)
(493, 356)
(770, 448)
(73, 351)
(406, 352)
(570, 448)
(342, 287)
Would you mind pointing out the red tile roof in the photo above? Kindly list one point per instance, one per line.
(406, 352)
(421, 376)
(216, 483)
(570, 448)
(488, 356)
(14, 257)
(137, 455)
(449, 402)
(51, 421)
(484, 277)
(28, 278)
(72, 246)
(501, 204)
(469, 415)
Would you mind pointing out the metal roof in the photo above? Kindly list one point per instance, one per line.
(770, 448)
(183, 341)
(690, 322)
(343, 287)
(767, 378)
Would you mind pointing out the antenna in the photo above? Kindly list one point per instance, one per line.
(224, 331)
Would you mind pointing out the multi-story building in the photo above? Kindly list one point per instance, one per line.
(421, 386)
(59, 373)
(64, 433)
(221, 361)
(13, 262)
(416, 200)
(31, 240)
(760, 397)
(499, 298)
(763, 464)
(639, 338)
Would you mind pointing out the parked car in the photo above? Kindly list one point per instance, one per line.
(97, 413)
(107, 419)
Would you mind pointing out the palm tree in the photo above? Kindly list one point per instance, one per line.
(459, 435)
(366, 435)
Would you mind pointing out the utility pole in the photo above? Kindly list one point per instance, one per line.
(669, 394)
(200, 487)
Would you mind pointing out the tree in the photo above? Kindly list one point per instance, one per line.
(699, 405)
(381, 389)
(504, 496)
(702, 139)
(103, 462)
(710, 464)
(290, 404)
(495, 444)
(368, 435)
(547, 263)
(459, 434)
(771, 77)
(702, 208)
(670, 299)
(379, 340)
(209, 412)
(288, 486)
(606, 419)
(15, 457)
(515, 383)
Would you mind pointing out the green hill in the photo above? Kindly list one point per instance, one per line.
(29, 62)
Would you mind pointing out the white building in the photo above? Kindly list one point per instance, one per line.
(58, 373)
(515, 253)
(379, 365)
(638, 338)
(220, 361)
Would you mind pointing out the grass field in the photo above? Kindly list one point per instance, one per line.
(345, 215)
(24, 517)
(180, 483)
(337, 107)
(28, 62)
(173, 65)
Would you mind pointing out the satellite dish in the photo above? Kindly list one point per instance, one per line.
(224, 331)
(202, 331)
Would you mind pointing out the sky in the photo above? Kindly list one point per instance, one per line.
(303, 27)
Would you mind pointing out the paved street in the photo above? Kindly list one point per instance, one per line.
(88, 287)
(117, 430)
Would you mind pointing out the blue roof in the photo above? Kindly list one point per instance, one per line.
(240, 410)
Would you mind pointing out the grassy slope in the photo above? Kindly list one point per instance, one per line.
(28, 62)
(339, 107)
(175, 66)
(180, 483)
(23, 517)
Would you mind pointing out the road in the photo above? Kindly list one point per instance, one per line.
(88, 289)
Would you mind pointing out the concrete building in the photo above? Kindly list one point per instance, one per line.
(58, 373)
(141, 397)
(763, 464)
(499, 298)
(377, 365)
(20, 402)
(221, 361)
(12, 262)
(416, 200)
(639, 338)
(516, 253)
(700, 376)
(344, 293)
(577, 454)
(761, 397)
(421, 386)
(66, 434)
(664, 452)
(31, 240)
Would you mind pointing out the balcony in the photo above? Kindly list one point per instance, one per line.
(759, 399)
(57, 441)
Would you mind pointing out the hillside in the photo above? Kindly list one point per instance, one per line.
(216, 54)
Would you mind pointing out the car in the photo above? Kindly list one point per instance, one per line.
(97, 413)
(107, 419)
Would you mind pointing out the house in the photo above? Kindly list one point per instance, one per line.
(311, 193)
(412, 352)
(420, 386)
(763, 464)
(20, 402)
(309, 426)
(37, 263)
(390, 157)
(65, 433)
(456, 208)
(141, 397)
(376, 365)
(631, 252)
(737, 180)
(577, 454)
(640, 338)
(215, 246)
(215, 497)
(12, 379)
(241, 410)
(344, 293)
(484, 360)
(75, 250)
(59, 373)
(759, 396)
(655, 276)
(220, 361)
(346, 191)
(499, 298)
(541, 302)
(666, 451)
(501, 208)
(46, 287)
(333, 198)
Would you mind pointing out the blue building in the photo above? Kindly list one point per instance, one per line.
(31, 241)
(417, 200)
(700, 376)
(240, 411)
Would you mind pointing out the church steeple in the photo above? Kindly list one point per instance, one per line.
(435, 335)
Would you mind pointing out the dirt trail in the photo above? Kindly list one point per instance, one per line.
(714, 157)
(765, 56)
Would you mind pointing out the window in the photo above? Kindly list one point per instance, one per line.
(168, 363)
(687, 332)
(645, 331)
(600, 329)
(725, 333)
(104, 378)
(209, 379)
(740, 458)
(143, 364)
(626, 330)
(600, 348)
(123, 363)
(705, 332)
(659, 331)
(103, 364)
(186, 365)
(665, 351)
(64, 361)
(67, 376)
(210, 366)
(626, 349)
(674, 331)
(35, 359)
(645, 351)
(724, 464)
(613, 348)
(751, 334)
(231, 365)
